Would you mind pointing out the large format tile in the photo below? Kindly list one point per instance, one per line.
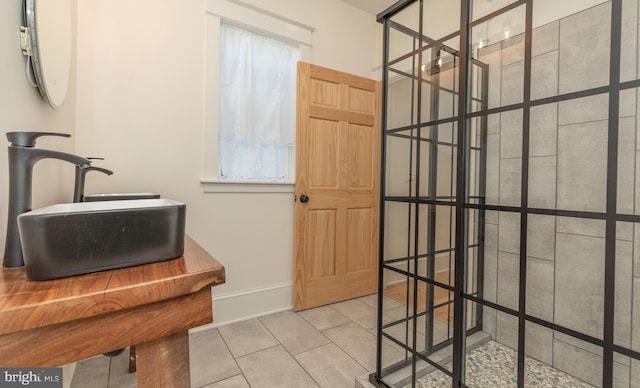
(542, 182)
(274, 367)
(540, 275)
(490, 284)
(578, 362)
(512, 83)
(246, 337)
(119, 376)
(509, 232)
(582, 166)
(543, 130)
(582, 66)
(579, 283)
(237, 381)
(356, 342)
(545, 38)
(329, 366)
(623, 293)
(293, 332)
(508, 279)
(511, 134)
(544, 75)
(209, 358)
(91, 373)
(541, 236)
(629, 40)
(358, 311)
(510, 177)
(581, 110)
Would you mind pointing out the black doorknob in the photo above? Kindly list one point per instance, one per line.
(304, 198)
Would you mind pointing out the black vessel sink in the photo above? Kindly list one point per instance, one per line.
(77, 238)
(118, 196)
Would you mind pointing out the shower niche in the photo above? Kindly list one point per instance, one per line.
(509, 233)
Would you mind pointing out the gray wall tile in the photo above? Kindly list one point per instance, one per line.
(629, 43)
(513, 49)
(493, 169)
(539, 343)
(508, 279)
(492, 56)
(577, 362)
(490, 262)
(545, 38)
(507, 330)
(623, 293)
(541, 236)
(582, 67)
(511, 134)
(544, 75)
(512, 83)
(582, 164)
(542, 182)
(509, 233)
(626, 165)
(543, 130)
(579, 283)
(510, 177)
(580, 110)
(581, 226)
(540, 277)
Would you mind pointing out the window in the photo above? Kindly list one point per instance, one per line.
(249, 139)
(257, 106)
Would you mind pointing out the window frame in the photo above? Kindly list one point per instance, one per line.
(262, 22)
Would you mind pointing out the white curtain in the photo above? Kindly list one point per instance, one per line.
(257, 105)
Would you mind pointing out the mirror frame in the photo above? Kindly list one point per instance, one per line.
(49, 22)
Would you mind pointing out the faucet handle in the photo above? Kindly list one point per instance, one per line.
(28, 139)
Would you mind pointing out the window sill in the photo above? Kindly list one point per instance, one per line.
(231, 186)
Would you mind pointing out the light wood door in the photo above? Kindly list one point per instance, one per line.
(338, 172)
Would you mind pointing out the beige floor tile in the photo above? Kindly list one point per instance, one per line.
(246, 337)
(358, 311)
(236, 381)
(323, 318)
(210, 360)
(293, 332)
(274, 367)
(91, 373)
(330, 366)
(356, 342)
(119, 376)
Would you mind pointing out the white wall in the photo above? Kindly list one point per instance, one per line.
(140, 105)
(22, 109)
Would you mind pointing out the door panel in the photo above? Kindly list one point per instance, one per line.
(337, 168)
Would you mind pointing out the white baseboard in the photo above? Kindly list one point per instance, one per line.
(252, 303)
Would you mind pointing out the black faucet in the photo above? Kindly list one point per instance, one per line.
(81, 172)
(22, 157)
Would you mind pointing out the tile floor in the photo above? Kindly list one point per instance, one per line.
(328, 346)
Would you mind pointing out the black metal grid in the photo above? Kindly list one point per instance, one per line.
(463, 200)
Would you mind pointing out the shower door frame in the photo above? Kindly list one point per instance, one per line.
(456, 201)
(464, 206)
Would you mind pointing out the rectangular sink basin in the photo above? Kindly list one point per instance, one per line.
(118, 196)
(77, 238)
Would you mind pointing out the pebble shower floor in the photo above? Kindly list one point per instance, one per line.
(493, 365)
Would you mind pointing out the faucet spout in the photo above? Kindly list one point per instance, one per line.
(21, 162)
(81, 172)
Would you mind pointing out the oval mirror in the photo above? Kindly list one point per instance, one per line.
(49, 23)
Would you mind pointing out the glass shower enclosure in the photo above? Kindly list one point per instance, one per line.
(509, 226)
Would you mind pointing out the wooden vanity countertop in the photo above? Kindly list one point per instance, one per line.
(26, 304)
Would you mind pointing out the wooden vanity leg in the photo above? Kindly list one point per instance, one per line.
(164, 362)
(132, 359)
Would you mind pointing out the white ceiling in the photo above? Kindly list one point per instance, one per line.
(374, 7)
